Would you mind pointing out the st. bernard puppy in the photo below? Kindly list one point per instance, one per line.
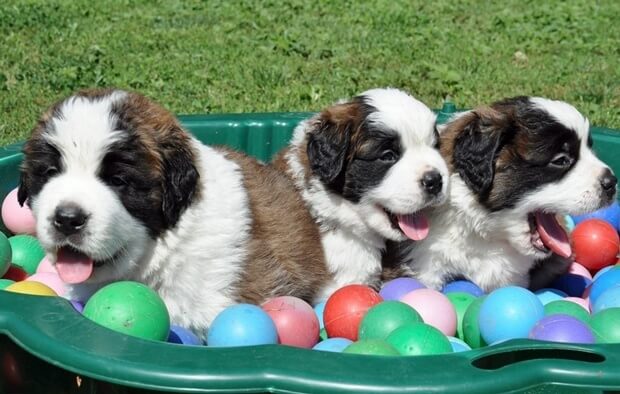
(120, 191)
(516, 167)
(366, 168)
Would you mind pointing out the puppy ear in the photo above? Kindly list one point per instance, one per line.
(180, 182)
(327, 150)
(476, 148)
(23, 190)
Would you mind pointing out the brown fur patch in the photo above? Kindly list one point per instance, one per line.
(285, 252)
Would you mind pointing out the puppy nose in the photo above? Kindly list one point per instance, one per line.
(431, 182)
(69, 219)
(608, 181)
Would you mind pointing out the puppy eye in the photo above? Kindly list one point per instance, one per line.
(50, 171)
(561, 161)
(388, 155)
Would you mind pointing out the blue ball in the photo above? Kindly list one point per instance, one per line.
(601, 272)
(569, 223)
(463, 286)
(572, 284)
(509, 312)
(318, 309)
(183, 336)
(605, 281)
(609, 299)
(242, 325)
(333, 345)
(610, 214)
(458, 345)
(547, 295)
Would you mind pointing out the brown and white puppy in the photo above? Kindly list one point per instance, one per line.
(121, 192)
(515, 166)
(365, 168)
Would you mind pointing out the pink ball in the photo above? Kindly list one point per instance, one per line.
(50, 279)
(46, 266)
(18, 219)
(580, 301)
(435, 309)
(295, 321)
(579, 269)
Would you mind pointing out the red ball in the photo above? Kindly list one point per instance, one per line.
(295, 320)
(15, 273)
(595, 243)
(345, 309)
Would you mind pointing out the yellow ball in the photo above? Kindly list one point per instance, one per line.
(31, 287)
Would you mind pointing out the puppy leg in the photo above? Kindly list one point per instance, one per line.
(547, 270)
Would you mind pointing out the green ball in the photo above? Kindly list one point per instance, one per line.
(4, 283)
(416, 339)
(567, 308)
(471, 329)
(323, 334)
(130, 308)
(27, 252)
(606, 325)
(5, 254)
(461, 301)
(375, 347)
(385, 317)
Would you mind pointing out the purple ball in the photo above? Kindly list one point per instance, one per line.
(397, 288)
(78, 306)
(183, 336)
(463, 286)
(562, 328)
(572, 284)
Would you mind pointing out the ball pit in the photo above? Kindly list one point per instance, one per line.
(463, 286)
(17, 218)
(295, 320)
(563, 307)
(562, 328)
(605, 325)
(27, 252)
(31, 288)
(346, 308)
(595, 244)
(50, 279)
(242, 325)
(385, 317)
(471, 328)
(460, 302)
(371, 347)
(458, 345)
(604, 282)
(333, 345)
(417, 339)
(395, 289)
(547, 295)
(183, 336)
(435, 309)
(610, 298)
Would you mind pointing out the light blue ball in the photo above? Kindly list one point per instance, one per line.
(547, 295)
(318, 309)
(333, 345)
(569, 223)
(610, 214)
(509, 312)
(183, 336)
(458, 345)
(601, 272)
(242, 325)
(463, 286)
(604, 282)
(609, 299)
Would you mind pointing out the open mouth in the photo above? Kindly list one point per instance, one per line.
(547, 234)
(74, 266)
(414, 225)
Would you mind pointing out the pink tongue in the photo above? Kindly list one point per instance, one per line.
(552, 234)
(415, 225)
(72, 266)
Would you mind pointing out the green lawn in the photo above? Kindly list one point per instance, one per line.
(249, 56)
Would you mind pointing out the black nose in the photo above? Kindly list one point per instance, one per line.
(69, 219)
(609, 181)
(431, 182)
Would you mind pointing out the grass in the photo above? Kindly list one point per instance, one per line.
(298, 55)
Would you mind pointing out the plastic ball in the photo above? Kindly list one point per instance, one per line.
(17, 218)
(372, 347)
(606, 325)
(130, 308)
(77, 305)
(569, 223)
(50, 279)
(509, 312)
(463, 286)
(471, 328)
(46, 266)
(607, 280)
(383, 318)
(242, 325)
(396, 288)
(562, 307)
(562, 328)
(578, 269)
(571, 284)
(4, 283)
(333, 345)
(183, 336)
(585, 304)
(295, 320)
(595, 244)
(610, 214)
(416, 339)
(460, 301)
(27, 252)
(32, 288)
(547, 295)
(318, 310)
(458, 345)
(346, 308)
(609, 299)
(5, 254)
(602, 271)
(435, 309)
(15, 273)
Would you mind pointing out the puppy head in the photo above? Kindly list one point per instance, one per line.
(526, 160)
(105, 172)
(378, 152)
